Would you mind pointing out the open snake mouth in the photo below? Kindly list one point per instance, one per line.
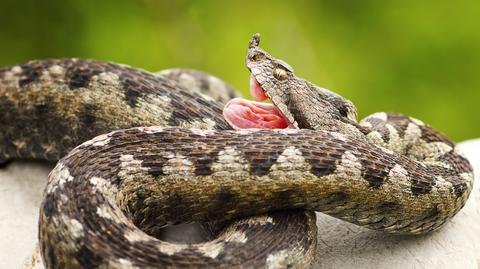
(243, 114)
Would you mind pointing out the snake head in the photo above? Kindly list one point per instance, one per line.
(298, 102)
(266, 71)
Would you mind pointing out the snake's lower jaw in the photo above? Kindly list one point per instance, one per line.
(243, 114)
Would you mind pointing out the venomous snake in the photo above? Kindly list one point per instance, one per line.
(172, 157)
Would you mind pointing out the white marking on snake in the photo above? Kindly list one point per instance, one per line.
(236, 236)
(260, 220)
(16, 69)
(339, 136)
(417, 121)
(107, 78)
(98, 141)
(412, 133)
(286, 131)
(188, 80)
(104, 186)
(431, 152)
(349, 166)
(468, 177)
(290, 154)
(394, 142)
(460, 152)
(366, 124)
(11, 78)
(137, 236)
(105, 85)
(105, 212)
(130, 167)
(352, 114)
(375, 138)
(417, 230)
(72, 226)
(150, 104)
(149, 108)
(56, 70)
(63, 198)
(171, 248)
(50, 74)
(437, 149)
(151, 129)
(247, 131)
(59, 175)
(211, 249)
(439, 164)
(207, 97)
(379, 115)
(230, 160)
(179, 165)
(75, 227)
(121, 264)
(386, 150)
(202, 132)
(397, 176)
(289, 164)
(443, 185)
(283, 258)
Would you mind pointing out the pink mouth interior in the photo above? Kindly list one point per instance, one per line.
(256, 90)
(244, 114)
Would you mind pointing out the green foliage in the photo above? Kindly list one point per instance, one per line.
(420, 58)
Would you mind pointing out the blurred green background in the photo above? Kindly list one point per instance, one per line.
(420, 58)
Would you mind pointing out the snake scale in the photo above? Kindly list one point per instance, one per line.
(171, 157)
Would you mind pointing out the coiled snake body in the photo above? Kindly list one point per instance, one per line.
(108, 198)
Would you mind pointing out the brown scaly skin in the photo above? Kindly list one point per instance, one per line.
(48, 107)
(306, 105)
(389, 172)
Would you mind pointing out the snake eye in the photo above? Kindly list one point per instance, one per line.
(257, 57)
(280, 73)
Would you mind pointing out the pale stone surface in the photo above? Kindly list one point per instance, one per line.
(21, 188)
(340, 245)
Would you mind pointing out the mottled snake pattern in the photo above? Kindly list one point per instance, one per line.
(158, 153)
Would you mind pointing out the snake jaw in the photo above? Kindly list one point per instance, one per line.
(271, 78)
(241, 113)
(303, 104)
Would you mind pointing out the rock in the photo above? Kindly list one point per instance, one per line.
(340, 244)
(21, 188)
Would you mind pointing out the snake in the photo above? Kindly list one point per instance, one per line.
(139, 151)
